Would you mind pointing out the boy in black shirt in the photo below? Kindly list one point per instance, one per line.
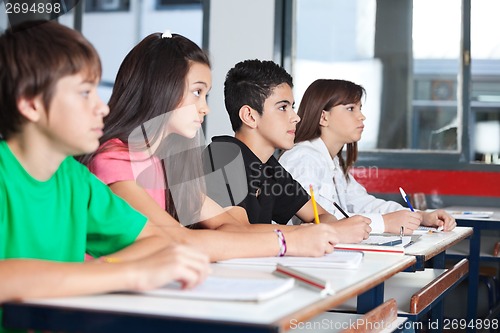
(259, 101)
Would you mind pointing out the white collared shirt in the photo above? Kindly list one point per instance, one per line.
(309, 162)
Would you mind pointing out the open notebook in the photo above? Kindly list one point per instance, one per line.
(255, 287)
(336, 259)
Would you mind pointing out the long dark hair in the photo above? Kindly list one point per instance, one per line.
(151, 82)
(324, 94)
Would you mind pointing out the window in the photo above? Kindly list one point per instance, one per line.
(485, 83)
(436, 51)
(408, 56)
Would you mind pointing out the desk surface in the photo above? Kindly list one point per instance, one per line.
(494, 218)
(131, 312)
(432, 244)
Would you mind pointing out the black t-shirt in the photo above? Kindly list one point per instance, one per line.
(265, 190)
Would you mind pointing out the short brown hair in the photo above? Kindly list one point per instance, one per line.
(34, 56)
(251, 82)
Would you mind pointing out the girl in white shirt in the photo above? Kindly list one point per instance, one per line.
(331, 119)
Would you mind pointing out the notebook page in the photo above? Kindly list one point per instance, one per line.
(336, 259)
(229, 289)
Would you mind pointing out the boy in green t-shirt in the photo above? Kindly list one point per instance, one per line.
(52, 209)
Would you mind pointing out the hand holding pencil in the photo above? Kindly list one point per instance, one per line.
(353, 229)
(350, 230)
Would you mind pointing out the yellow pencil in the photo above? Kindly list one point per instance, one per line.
(315, 208)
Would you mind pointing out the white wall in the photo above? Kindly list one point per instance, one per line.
(239, 30)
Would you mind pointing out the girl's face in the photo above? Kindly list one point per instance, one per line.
(344, 123)
(186, 120)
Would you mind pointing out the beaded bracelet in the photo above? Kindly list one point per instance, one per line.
(282, 242)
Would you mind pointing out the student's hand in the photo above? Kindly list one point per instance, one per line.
(173, 263)
(311, 240)
(402, 218)
(353, 229)
(439, 218)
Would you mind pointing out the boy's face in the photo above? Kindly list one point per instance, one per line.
(279, 120)
(74, 121)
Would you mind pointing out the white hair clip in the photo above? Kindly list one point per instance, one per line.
(166, 34)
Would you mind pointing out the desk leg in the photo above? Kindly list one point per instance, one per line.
(371, 299)
(437, 312)
(474, 246)
(439, 260)
(436, 317)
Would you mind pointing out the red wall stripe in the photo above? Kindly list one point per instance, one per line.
(445, 182)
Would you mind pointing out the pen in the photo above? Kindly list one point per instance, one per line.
(341, 210)
(315, 208)
(409, 244)
(406, 199)
(392, 243)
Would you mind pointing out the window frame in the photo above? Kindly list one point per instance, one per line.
(166, 4)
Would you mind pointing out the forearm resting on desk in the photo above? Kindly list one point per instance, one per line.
(28, 278)
(308, 240)
(36, 278)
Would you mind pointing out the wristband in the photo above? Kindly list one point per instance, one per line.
(282, 243)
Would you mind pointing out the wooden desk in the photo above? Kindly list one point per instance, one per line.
(433, 246)
(479, 224)
(139, 313)
(429, 246)
(419, 293)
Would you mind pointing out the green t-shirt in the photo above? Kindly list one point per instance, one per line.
(62, 218)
